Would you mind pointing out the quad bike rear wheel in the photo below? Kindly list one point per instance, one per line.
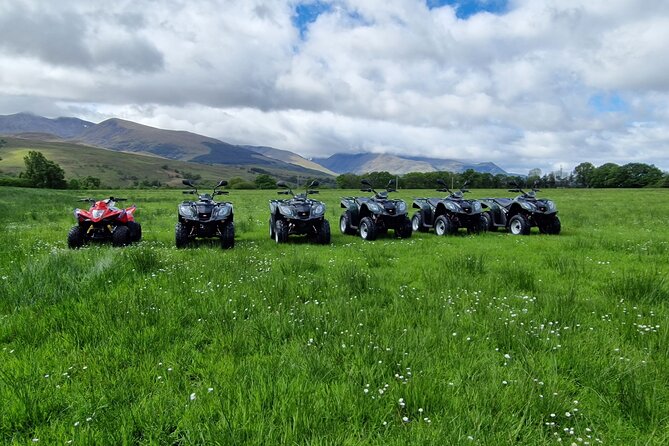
(345, 224)
(121, 236)
(367, 229)
(76, 237)
(519, 225)
(417, 223)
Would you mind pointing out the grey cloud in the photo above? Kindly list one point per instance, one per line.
(133, 54)
(54, 38)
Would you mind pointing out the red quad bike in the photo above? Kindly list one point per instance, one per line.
(104, 221)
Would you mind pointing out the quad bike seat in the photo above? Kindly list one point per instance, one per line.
(504, 202)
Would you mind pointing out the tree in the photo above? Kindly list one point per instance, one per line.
(42, 172)
(379, 179)
(639, 175)
(90, 183)
(348, 181)
(606, 175)
(264, 181)
(584, 174)
(2, 144)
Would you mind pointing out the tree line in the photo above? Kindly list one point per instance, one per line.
(609, 175)
(43, 173)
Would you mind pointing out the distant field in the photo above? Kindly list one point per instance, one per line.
(489, 339)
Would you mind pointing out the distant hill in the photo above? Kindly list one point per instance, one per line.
(117, 169)
(289, 157)
(27, 123)
(360, 163)
(128, 136)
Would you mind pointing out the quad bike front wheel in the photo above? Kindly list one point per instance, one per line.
(271, 228)
(280, 231)
(553, 227)
(76, 238)
(121, 236)
(181, 235)
(367, 229)
(480, 226)
(519, 225)
(228, 236)
(135, 231)
(405, 229)
(442, 226)
(323, 234)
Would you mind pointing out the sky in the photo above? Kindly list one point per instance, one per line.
(523, 83)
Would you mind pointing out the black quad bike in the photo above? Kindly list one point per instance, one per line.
(374, 215)
(298, 215)
(448, 215)
(205, 218)
(518, 215)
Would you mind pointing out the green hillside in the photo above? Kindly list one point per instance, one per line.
(121, 169)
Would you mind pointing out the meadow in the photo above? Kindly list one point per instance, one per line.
(489, 339)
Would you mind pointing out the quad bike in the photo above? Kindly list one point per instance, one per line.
(205, 218)
(298, 215)
(447, 215)
(104, 222)
(518, 215)
(372, 216)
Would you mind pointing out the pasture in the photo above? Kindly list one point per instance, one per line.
(483, 340)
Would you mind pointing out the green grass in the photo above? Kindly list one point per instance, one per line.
(489, 339)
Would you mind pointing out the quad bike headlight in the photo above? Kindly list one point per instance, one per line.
(187, 210)
(476, 206)
(286, 210)
(318, 209)
(451, 206)
(98, 213)
(222, 211)
(374, 207)
(401, 207)
(550, 206)
(527, 206)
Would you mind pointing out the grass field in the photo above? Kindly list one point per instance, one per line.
(490, 339)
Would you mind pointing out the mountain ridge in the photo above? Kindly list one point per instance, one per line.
(364, 162)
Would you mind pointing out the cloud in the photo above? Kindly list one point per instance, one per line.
(524, 83)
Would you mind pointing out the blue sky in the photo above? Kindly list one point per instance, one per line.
(467, 8)
(307, 12)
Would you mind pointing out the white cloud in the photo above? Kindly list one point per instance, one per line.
(382, 75)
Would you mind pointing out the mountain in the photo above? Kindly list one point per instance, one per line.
(117, 169)
(128, 136)
(289, 157)
(27, 123)
(360, 163)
